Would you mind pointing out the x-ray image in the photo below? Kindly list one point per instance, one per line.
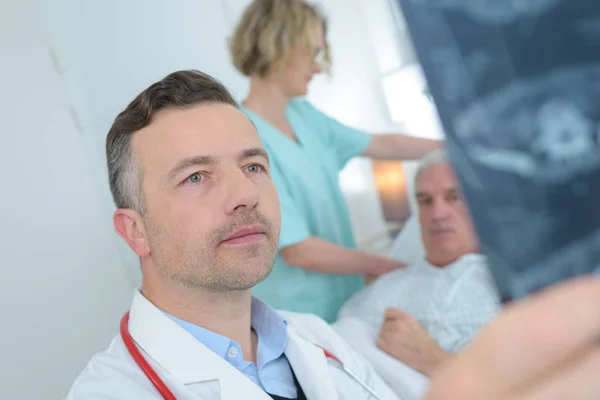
(517, 87)
(492, 11)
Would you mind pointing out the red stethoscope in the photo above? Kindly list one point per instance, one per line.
(162, 387)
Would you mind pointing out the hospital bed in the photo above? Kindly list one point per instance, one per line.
(408, 383)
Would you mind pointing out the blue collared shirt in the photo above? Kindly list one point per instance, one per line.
(272, 372)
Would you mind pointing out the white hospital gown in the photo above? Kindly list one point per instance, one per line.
(452, 303)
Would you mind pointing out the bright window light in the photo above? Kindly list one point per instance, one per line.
(409, 104)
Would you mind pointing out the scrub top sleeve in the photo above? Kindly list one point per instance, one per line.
(348, 142)
(293, 225)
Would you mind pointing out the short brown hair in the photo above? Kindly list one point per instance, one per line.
(268, 29)
(181, 89)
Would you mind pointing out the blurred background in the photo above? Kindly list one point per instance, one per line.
(67, 68)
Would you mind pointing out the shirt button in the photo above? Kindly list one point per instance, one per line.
(232, 352)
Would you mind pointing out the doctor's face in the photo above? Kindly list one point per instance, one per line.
(446, 226)
(212, 211)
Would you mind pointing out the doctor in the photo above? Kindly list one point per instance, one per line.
(196, 203)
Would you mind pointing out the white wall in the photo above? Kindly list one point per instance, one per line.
(111, 50)
(68, 66)
(59, 256)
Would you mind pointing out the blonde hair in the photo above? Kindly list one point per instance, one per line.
(267, 31)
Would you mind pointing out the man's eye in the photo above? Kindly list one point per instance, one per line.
(455, 197)
(254, 168)
(194, 178)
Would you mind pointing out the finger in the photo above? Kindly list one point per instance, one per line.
(577, 379)
(393, 313)
(528, 339)
(394, 327)
(390, 330)
(383, 333)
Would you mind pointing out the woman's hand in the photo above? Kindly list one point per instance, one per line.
(543, 348)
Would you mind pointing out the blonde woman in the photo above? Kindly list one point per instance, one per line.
(280, 45)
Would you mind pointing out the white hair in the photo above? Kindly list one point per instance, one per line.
(436, 157)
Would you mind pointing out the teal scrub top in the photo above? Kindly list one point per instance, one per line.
(306, 175)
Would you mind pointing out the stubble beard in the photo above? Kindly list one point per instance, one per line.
(211, 267)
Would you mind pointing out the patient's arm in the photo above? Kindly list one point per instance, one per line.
(403, 337)
(319, 255)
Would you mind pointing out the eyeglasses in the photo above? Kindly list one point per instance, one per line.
(319, 56)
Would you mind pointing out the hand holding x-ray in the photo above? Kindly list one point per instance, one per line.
(544, 348)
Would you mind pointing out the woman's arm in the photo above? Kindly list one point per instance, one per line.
(400, 147)
(315, 254)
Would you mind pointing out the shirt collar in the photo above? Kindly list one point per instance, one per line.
(271, 328)
(269, 325)
(219, 344)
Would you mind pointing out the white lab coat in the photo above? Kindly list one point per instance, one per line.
(192, 371)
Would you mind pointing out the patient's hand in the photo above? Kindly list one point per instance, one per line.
(404, 338)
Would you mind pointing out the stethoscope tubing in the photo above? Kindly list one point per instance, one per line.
(164, 390)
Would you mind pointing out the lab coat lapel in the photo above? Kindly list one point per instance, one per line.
(183, 357)
(311, 368)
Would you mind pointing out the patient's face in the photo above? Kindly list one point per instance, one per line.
(205, 177)
(446, 226)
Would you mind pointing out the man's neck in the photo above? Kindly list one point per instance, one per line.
(266, 99)
(442, 260)
(225, 313)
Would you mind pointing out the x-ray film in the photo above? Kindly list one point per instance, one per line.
(517, 87)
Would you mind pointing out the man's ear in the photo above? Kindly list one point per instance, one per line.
(129, 224)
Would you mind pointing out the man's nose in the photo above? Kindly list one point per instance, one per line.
(242, 193)
(441, 210)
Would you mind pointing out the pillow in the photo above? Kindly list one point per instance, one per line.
(408, 245)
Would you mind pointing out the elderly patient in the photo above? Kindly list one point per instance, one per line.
(425, 312)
